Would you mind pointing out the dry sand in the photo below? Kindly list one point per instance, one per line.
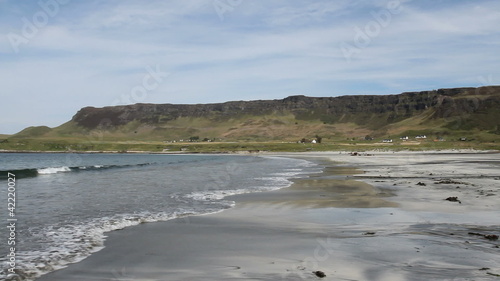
(363, 218)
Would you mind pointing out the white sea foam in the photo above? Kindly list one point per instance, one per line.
(73, 243)
(91, 167)
(53, 170)
(213, 195)
(273, 182)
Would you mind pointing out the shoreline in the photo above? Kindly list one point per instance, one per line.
(282, 153)
(325, 222)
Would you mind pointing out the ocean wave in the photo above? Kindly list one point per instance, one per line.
(215, 195)
(53, 170)
(272, 182)
(73, 243)
(34, 172)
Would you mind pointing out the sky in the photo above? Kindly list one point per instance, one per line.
(57, 56)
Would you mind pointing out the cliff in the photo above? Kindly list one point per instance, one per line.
(298, 116)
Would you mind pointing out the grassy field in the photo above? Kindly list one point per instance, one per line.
(75, 145)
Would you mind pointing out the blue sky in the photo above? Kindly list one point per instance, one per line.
(57, 56)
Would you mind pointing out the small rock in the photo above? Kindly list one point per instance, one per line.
(491, 237)
(453, 199)
(369, 233)
(320, 274)
(450, 181)
(421, 183)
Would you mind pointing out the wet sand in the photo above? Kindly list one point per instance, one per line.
(363, 218)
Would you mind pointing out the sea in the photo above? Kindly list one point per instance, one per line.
(66, 203)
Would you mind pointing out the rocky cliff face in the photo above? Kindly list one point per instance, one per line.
(362, 110)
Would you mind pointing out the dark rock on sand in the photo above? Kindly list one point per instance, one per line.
(491, 237)
(453, 199)
(320, 274)
(449, 181)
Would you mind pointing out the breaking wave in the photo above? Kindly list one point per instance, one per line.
(34, 172)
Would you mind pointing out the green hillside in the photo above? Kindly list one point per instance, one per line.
(463, 116)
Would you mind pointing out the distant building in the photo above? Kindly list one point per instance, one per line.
(404, 138)
(421, 137)
(387, 140)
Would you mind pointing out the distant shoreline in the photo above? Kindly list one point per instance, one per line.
(358, 152)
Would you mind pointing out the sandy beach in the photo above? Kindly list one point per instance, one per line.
(374, 216)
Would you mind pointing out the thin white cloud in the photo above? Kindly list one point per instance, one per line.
(136, 14)
(310, 12)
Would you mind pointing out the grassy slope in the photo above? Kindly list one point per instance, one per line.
(272, 132)
(245, 134)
